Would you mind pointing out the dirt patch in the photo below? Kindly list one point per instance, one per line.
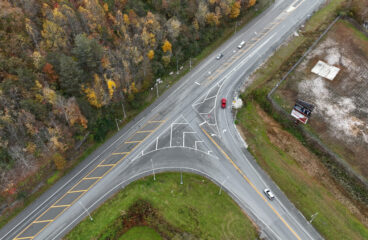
(310, 164)
(142, 213)
(341, 115)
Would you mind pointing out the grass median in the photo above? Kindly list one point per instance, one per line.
(193, 210)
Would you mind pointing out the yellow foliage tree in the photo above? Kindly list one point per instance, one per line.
(151, 54)
(212, 19)
(126, 19)
(166, 46)
(235, 10)
(95, 94)
(49, 94)
(111, 85)
(59, 161)
(251, 3)
(106, 7)
(54, 35)
(133, 88)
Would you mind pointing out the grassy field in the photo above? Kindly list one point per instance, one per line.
(305, 182)
(141, 233)
(194, 209)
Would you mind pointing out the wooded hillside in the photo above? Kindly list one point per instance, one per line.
(67, 65)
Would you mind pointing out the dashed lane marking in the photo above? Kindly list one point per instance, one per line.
(83, 185)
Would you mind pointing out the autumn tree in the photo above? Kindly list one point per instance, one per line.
(54, 36)
(173, 26)
(59, 161)
(151, 54)
(166, 47)
(251, 3)
(235, 10)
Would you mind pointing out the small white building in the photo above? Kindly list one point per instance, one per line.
(325, 70)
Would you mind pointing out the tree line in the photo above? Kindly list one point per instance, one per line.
(66, 66)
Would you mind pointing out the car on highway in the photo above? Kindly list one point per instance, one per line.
(269, 194)
(241, 44)
(223, 103)
(219, 56)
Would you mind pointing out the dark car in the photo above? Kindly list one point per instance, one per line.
(223, 103)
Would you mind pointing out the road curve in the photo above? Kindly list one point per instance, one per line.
(183, 129)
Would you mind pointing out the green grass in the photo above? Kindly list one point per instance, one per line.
(141, 233)
(357, 33)
(194, 207)
(334, 220)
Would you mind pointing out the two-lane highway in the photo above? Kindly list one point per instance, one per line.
(184, 130)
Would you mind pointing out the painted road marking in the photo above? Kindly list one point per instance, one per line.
(251, 184)
(79, 189)
(34, 224)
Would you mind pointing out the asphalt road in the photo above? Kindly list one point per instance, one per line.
(184, 130)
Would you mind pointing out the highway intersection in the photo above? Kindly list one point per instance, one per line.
(184, 130)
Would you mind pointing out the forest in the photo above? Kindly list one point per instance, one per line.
(66, 67)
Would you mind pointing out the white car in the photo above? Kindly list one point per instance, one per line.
(241, 44)
(269, 194)
(219, 56)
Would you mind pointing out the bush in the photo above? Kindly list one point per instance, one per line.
(59, 161)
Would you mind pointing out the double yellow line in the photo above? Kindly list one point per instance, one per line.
(251, 184)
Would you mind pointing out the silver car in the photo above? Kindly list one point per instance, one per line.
(241, 44)
(269, 194)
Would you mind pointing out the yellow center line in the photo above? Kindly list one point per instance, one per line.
(251, 184)
(120, 153)
(106, 165)
(86, 178)
(132, 142)
(57, 206)
(77, 191)
(42, 221)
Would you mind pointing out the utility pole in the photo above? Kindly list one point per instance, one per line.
(236, 24)
(190, 64)
(90, 217)
(153, 170)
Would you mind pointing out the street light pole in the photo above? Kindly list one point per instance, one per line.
(153, 170)
(181, 177)
(222, 185)
(90, 217)
(117, 125)
(313, 217)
